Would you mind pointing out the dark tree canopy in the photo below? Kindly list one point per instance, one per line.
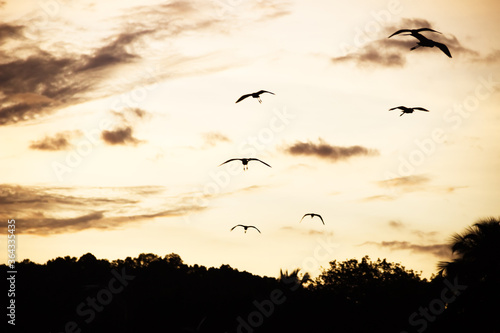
(154, 293)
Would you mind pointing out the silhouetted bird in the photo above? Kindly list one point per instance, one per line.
(408, 110)
(245, 227)
(312, 215)
(254, 95)
(422, 40)
(245, 161)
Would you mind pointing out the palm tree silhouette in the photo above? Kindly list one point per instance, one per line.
(476, 268)
(477, 252)
(293, 280)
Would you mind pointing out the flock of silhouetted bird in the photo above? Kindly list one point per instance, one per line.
(422, 42)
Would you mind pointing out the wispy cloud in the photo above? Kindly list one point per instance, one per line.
(408, 182)
(380, 197)
(393, 52)
(308, 232)
(44, 211)
(439, 250)
(412, 183)
(60, 141)
(140, 35)
(402, 227)
(211, 139)
(327, 151)
(122, 134)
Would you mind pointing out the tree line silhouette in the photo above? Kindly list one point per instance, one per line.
(150, 293)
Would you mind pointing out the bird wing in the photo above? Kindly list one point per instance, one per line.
(232, 159)
(320, 218)
(304, 216)
(243, 97)
(264, 91)
(426, 29)
(256, 159)
(251, 226)
(238, 225)
(443, 48)
(401, 31)
(397, 107)
(420, 109)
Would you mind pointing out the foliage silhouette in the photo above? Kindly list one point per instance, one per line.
(163, 294)
(477, 266)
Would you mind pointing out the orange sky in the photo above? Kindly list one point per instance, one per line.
(114, 119)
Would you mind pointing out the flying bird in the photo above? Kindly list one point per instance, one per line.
(245, 161)
(254, 95)
(312, 215)
(245, 227)
(408, 110)
(422, 40)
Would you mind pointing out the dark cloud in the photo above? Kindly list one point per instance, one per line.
(327, 151)
(8, 31)
(60, 141)
(385, 53)
(120, 136)
(44, 211)
(114, 52)
(143, 35)
(439, 250)
(392, 52)
(123, 133)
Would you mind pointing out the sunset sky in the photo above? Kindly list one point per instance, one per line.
(115, 117)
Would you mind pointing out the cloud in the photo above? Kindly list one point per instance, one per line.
(308, 232)
(400, 226)
(380, 197)
(60, 141)
(396, 224)
(43, 210)
(113, 53)
(120, 136)
(142, 36)
(438, 250)
(392, 52)
(211, 139)
(8, 31)
(327, 151)
(408, 182)
(383, 53)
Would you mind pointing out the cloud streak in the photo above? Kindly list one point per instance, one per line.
(54, 210)
(438, 250)
(327, 151)
(140, 35)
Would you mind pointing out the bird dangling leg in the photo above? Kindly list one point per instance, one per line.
(415, 47)
(260, 101)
